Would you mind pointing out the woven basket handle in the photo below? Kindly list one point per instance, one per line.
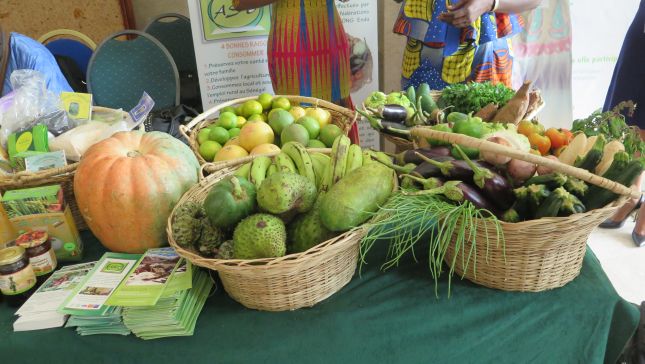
(210, 168)
(426, 132)
(26, 176)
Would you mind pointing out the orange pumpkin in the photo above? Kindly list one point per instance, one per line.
(127, 185)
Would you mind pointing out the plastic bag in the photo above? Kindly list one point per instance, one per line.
(31, 104)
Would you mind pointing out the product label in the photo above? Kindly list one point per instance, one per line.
(18, 282)
(43, 263)
(23, 143)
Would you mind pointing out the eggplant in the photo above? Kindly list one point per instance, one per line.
(393, 112)
(426, 169)
(453, 169)
(493, 186)
(410, 156)
(475, 197)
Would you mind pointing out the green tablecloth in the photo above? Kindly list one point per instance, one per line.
(390, 317)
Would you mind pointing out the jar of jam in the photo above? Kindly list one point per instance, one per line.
(40, 252)
(17, 278)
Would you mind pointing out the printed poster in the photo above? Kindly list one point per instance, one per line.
(230, 48)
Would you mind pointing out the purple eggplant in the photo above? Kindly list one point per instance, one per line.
(476, 198)
(426, 169)
(453, 169)
(493, 186)
(410, 156)
(393, 112)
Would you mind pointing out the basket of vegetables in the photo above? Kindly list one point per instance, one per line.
(282, 229)
(233, 133)
(491, 219)
(397, 111)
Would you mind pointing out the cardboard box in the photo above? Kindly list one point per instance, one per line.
(44, 209)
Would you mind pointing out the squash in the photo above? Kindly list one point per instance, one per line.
(574, 149)
(229, 201)
(608, 153)
(126, 186)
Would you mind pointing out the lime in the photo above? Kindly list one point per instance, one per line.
(265, 99)
(281, 103)
(251, 107)
(208, 150)
(311, 125)
(202, 135)
(228, 109)
(315, 143)
(227, 120)
(219, 134)
(279, 120)
(329, 133)
(240, 122)
(265, 117)
(255, 117)
(234, 132)
(238, 110)
(295, 133)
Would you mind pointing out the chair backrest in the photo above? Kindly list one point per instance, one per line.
(121, 70)
(70, 43)
(174, 32)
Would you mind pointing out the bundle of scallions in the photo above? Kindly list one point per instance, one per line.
(407, 217)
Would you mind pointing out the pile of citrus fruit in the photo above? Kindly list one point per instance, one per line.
(262, 125)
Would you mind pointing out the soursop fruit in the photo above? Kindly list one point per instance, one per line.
(307, 231)
(225, 250)
(286, 194)
(260, 236)
(210, 240)
(187, 224)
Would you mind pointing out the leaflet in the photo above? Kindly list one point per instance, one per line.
(181, 279)
(148, 280)
(91, 295)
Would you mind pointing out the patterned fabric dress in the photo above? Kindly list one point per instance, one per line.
(440, 54)
(308, 52)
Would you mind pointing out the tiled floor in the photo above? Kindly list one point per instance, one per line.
(623, 262)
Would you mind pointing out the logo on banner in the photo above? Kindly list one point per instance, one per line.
(221, 21)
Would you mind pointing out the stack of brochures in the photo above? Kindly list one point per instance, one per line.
(40, 310)
(175, 315)
(153, 295)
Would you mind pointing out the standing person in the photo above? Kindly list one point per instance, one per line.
(459, 41)
(628, 83)
(308, 50)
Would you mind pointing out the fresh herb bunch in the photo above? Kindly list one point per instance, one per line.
(472, 96)
(613, 126)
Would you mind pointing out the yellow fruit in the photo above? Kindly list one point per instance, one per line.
(240, 122)
(323, 116)
(297, 112)
(264, 149)
(254, 134)
(233, 141)
(230, 152)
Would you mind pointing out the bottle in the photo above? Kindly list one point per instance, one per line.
(7, 231)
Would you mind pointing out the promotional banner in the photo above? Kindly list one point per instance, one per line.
(231, 52)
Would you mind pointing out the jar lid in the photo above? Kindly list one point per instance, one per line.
(32, 239)
(11, 255)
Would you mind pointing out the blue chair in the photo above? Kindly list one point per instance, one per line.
(70, 43)
(174, 32)
(121, 70)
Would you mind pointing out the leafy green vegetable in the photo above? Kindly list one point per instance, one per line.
(613, 126)
(398, 98)
(471, 97)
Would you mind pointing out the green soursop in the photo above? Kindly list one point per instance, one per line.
(307, 231)
(187, 224)
(225, 250)
(259, 236)
(286, 194)
(211, 239)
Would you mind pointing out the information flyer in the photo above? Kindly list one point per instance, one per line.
(231, 52)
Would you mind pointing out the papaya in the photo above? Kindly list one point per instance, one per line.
(352, 200)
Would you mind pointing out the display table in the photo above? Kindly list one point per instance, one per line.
(391, 317)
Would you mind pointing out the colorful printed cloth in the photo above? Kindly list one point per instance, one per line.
(440, 54)
(308, 52)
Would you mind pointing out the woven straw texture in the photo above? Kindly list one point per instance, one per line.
(342, 117)
(537, 255)
(277, 284)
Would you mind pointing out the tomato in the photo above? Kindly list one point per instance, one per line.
(540, 142)
(527, 127)
(569, 135)
(557, 137)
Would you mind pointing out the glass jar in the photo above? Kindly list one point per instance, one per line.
(17, 278)
(39, 250)
(7, 230)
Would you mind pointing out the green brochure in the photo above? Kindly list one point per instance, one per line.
(90, 296)
(148, 280)
(181, 279)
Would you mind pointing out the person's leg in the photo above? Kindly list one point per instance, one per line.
(621, 215)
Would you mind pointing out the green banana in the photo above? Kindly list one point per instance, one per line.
(354, 158)
(243, 171)
(339, 152)
(284, 163)
(272, 169)
(367, 156)
(301, 158)
(320, 162)
(259, 168)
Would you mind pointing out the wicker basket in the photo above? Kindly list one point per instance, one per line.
(277, 284)
(537, 255)
(340, 116)
(63, 176)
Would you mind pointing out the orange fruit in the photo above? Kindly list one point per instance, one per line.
(264, 149)
(230, 152)
(254, 134)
